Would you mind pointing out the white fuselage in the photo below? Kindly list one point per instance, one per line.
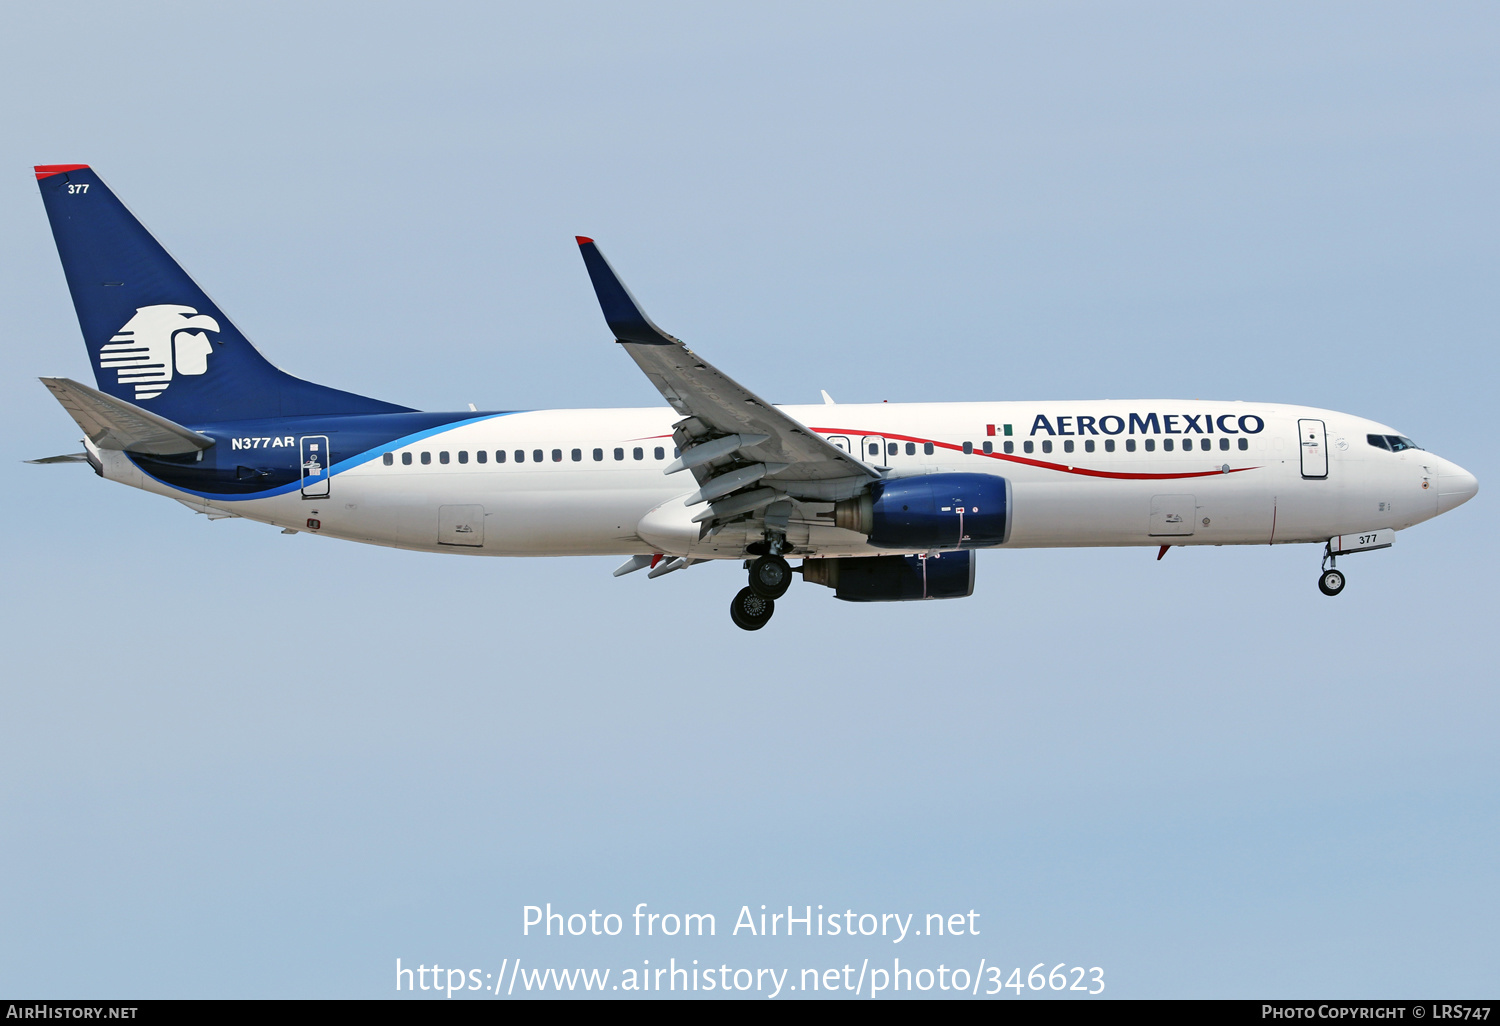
(571, 502)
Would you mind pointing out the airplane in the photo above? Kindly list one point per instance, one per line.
(883, 502)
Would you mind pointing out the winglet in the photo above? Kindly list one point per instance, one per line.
(623, 314)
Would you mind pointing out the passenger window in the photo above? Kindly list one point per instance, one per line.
(1010, 447)
(659, 453)
(481, 456)
(1088, 445)
(536, 455)
(388, 459)
(1150, 445)
(1224, 445)
(989, 447)
(1046, 445)
(968, 448)
(556, 455)
(676, 452)
(1068, 445)
(1166, 445)
(1205, 444)
(577, 455)
(426, 458)
(520, 455)
(911, 448)
(1130, 445)
(406, 459)
(463, 456)
(443, 456)
(1028, 445)
(1244, 444)
(619, 454)
(638, 453)
(1109, 445)
(598, 455)
(927, 448)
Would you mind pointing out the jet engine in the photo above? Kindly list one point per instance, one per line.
(894, 578)
(932, 511)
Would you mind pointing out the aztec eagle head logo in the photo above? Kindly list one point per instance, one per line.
(154, 343)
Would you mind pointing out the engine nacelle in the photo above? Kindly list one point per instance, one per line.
(932, 511)
(894, 578)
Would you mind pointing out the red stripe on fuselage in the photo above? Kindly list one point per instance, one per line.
(1039, 464)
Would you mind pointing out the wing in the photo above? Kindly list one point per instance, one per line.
(730, 438)
(113, 423)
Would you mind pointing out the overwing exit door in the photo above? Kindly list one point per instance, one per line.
(1312, 440)
(315, 463)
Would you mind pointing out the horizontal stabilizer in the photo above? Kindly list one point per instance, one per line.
(112, 423)
(72, 457)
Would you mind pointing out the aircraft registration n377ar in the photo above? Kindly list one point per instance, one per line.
(883, 502)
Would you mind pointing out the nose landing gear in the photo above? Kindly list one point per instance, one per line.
(1331, 582)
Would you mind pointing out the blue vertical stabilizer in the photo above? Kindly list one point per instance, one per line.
(154, 337)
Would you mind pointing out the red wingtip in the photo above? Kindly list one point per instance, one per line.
(583, 239)
(47, 170)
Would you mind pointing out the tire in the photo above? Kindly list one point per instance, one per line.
(1332, 582)
(749, 611)
(770, 577)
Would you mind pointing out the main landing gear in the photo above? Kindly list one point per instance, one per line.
(1331, 582)
(770, 577)
(749, 611)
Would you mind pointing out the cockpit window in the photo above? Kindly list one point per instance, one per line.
(1392, 443)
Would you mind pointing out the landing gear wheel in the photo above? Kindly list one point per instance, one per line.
(1332, 582)
(749, 611)
(770, 577)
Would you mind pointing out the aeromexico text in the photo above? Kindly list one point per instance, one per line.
(806, 921)
(1150, 424)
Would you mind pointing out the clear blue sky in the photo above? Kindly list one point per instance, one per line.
(237, 763)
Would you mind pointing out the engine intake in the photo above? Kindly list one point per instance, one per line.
(933, 511)
(894, 578)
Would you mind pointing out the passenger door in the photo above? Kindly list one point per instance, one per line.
(872, 450)
(1312, 440)
(315, 463)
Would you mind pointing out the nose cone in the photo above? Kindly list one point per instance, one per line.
(1456, 486)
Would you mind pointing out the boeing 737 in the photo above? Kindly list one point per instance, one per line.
(880, 502)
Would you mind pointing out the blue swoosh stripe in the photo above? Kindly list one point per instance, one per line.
(337, 468)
